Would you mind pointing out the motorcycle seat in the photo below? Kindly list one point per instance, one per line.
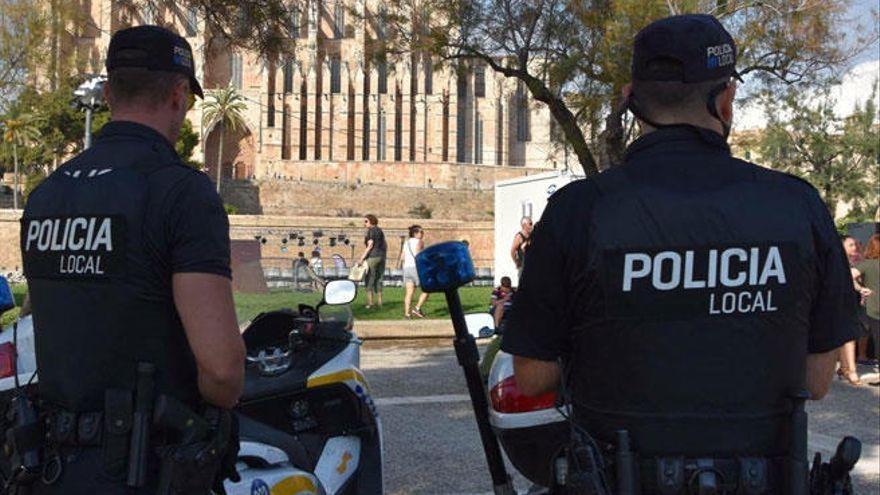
(248, 429)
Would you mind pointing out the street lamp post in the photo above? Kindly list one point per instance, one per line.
(89, 96)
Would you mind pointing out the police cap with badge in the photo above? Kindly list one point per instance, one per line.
(691, 49)
(153, 48)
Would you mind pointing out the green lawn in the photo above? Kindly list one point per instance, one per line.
(18, 292)
(473, 299)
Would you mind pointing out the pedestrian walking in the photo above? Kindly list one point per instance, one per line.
(375, 255)
(407, 260)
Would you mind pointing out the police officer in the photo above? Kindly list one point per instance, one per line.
(126, 252)
(687, 293)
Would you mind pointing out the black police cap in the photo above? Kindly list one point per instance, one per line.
(153, 48)
(696, 48)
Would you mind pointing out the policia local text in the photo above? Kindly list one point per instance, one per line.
(69, 236)
(736, 267)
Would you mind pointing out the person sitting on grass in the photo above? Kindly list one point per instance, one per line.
(502, 300)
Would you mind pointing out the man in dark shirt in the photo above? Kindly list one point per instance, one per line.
(375, 256)
(688, 294)
(126, 251)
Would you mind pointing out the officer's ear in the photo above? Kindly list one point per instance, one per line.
(724, 102)
(106, 94)
(180, 96)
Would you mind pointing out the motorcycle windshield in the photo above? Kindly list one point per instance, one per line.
(337, 314)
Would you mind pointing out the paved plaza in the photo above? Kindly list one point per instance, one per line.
(431, 440)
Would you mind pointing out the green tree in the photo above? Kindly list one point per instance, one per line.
(19, 131)
(572, 56)
(225, 108)
(575, 56)
(61, 129)
(186, 143)
(838, 155)
(22, 45)
(61, 126)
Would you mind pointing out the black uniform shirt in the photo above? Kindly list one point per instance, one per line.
(101, 239)
(683, 281)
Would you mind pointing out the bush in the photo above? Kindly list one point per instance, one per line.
(230, 209)
(420, 211)
(33, 180)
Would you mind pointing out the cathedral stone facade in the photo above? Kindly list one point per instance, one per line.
(335, 102)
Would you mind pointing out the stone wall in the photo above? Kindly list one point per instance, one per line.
(403, 174)
(275, 228)
(480, 236)
(10, 256)
(340, 200)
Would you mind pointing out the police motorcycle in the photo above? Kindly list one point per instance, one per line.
(307, 424)
(530, 429)
(544, 443)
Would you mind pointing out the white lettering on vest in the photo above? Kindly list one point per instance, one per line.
(726, 278)
(77, 241)
(743, 271)
(70, 234)
(81, 264)
(629, 272)
(689, 282)
(773, 267)
(675, 270)
(104, 237)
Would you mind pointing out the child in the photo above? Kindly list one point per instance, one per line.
(502, 299)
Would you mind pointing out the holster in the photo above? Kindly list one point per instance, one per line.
(24, 441)
(118, 413)
(190, 468)
(199, 466)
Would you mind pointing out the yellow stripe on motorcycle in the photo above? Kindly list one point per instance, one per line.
(295, 485)
(337, 377)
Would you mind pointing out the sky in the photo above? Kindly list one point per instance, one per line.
(856, 86)
(861, 10)
(858, 82)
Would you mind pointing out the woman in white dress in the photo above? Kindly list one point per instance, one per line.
(411, 247)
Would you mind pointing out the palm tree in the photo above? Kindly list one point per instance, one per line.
(224, 107)
(19, 131)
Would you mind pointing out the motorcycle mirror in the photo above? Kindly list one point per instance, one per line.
(480, 325)
(339, 292)
(445, 267)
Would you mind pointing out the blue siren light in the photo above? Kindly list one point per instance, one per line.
(6, 300)
(445, 266)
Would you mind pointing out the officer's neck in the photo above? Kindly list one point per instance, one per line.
(710, 124)
(158, 121)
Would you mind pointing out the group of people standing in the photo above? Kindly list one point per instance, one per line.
(375, 258)
(864, 266)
